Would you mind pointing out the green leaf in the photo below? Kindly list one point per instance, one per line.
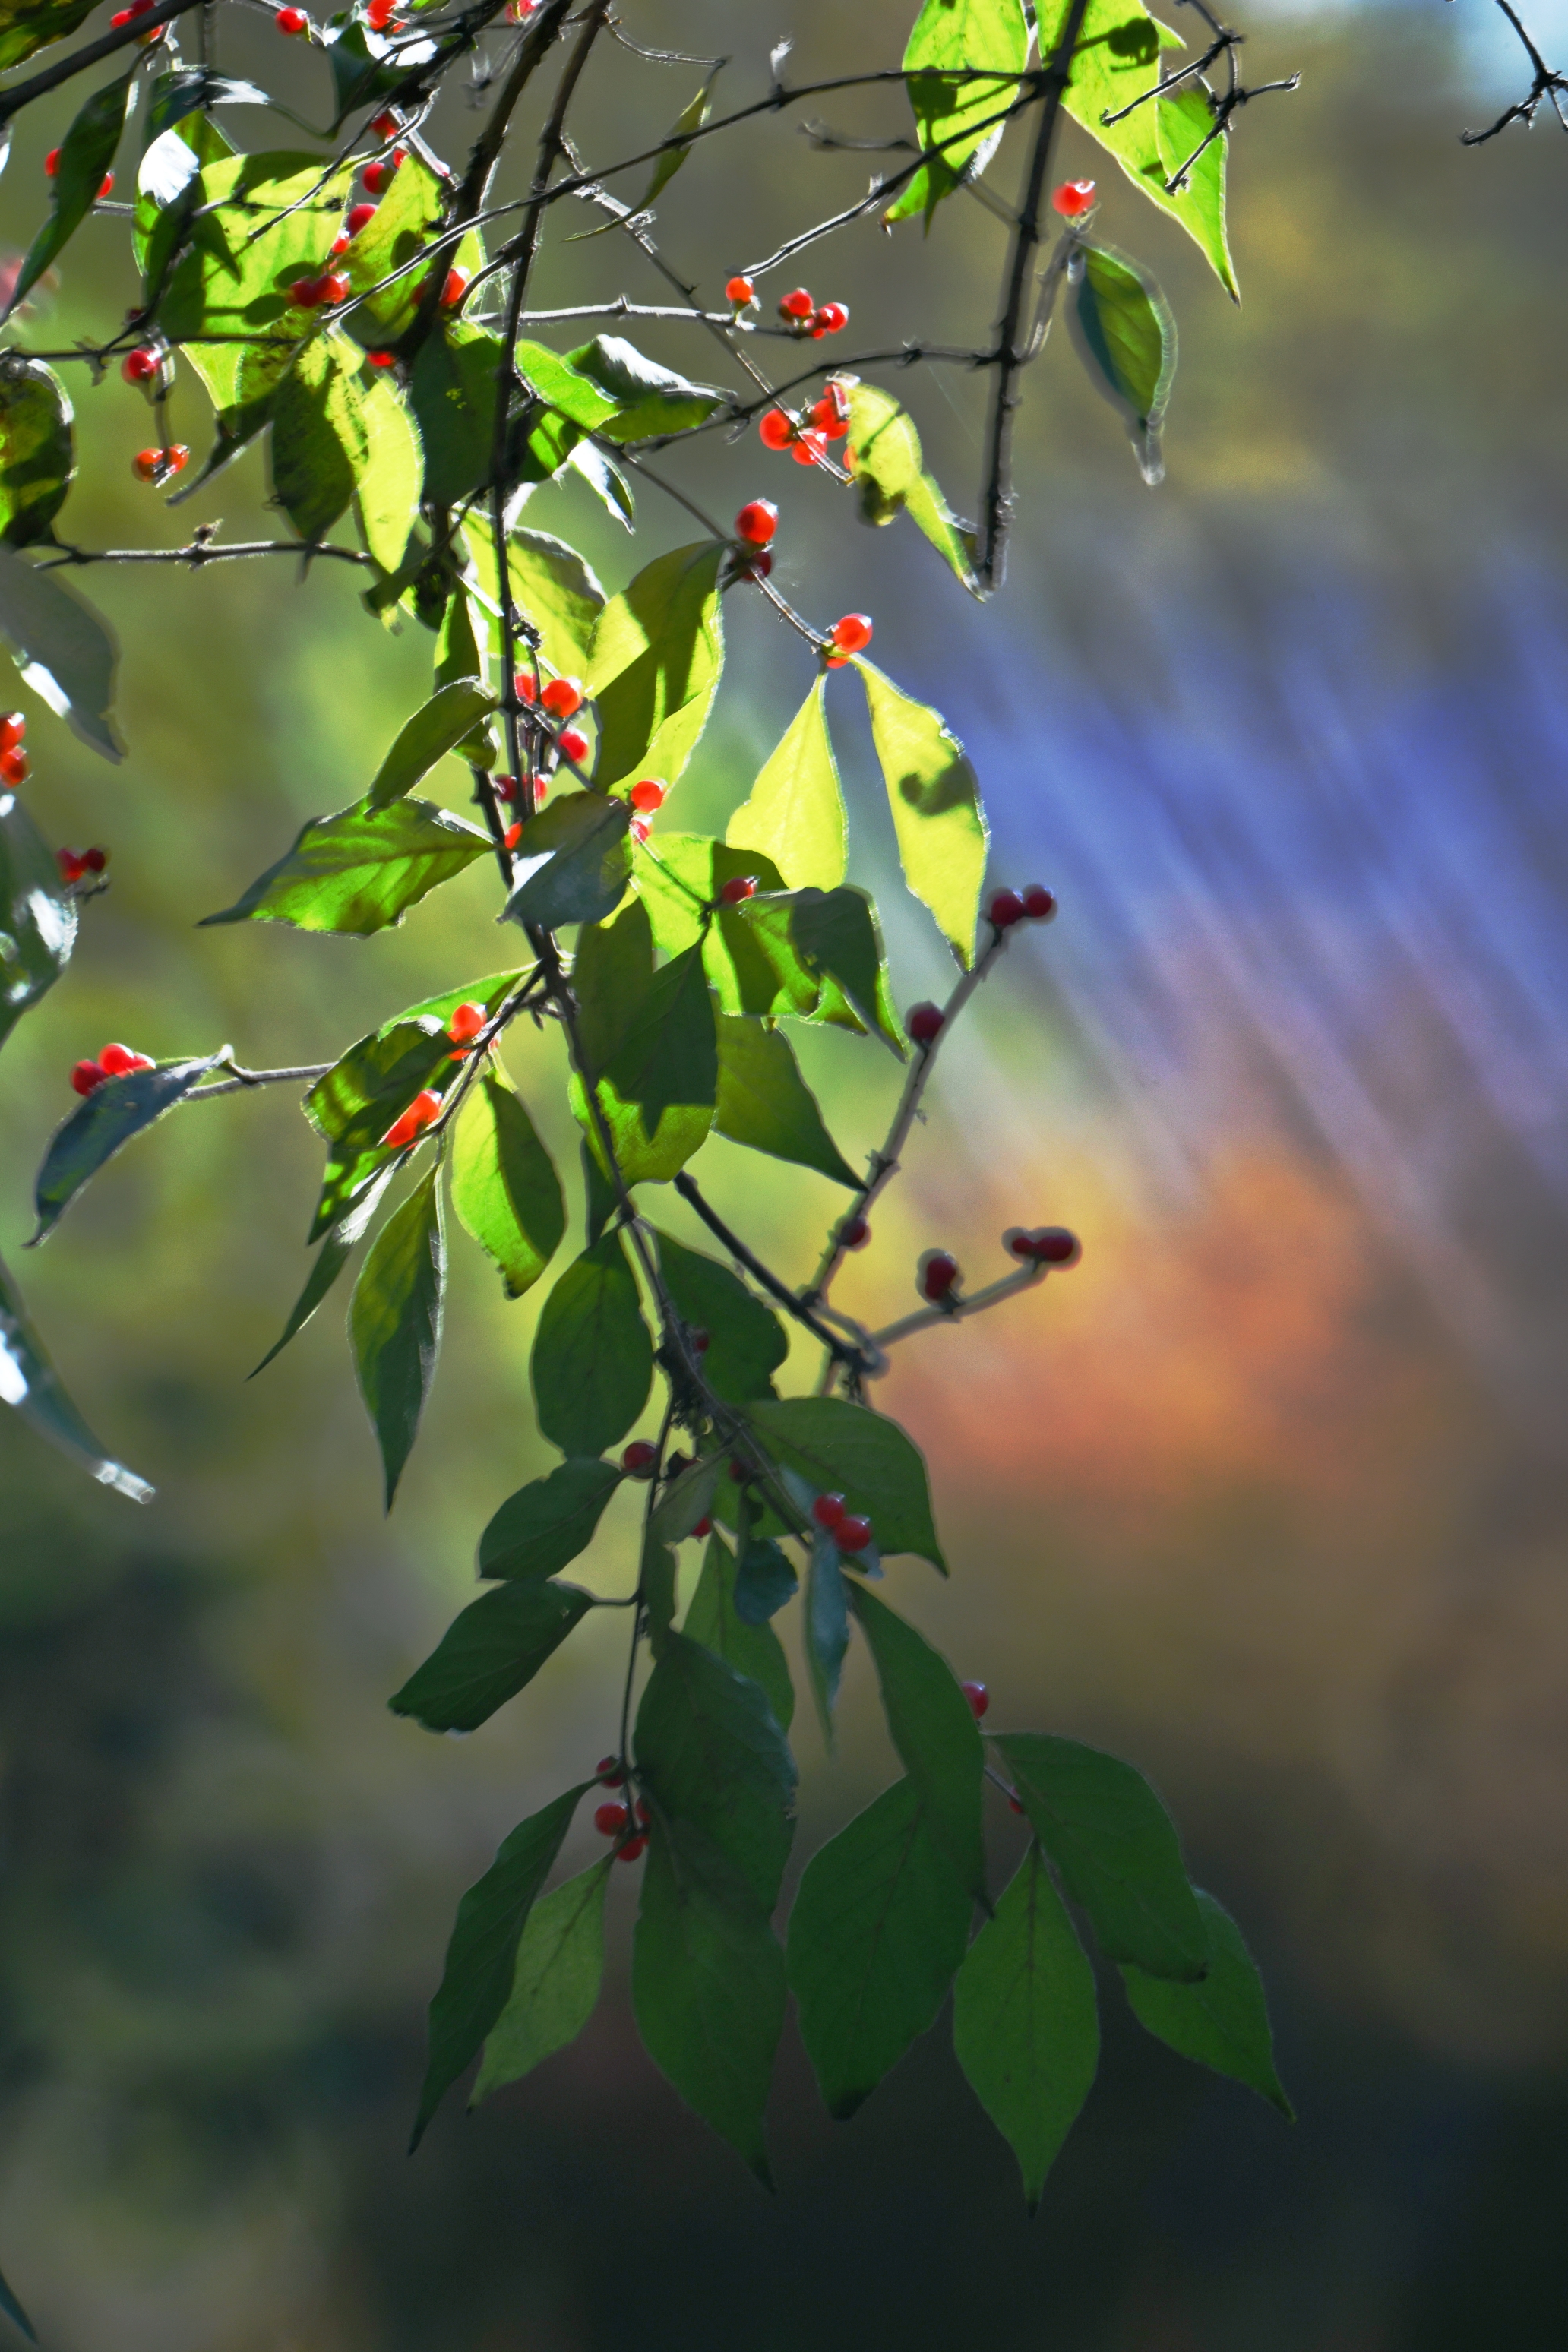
(427, 736)
(489, 1652)
(593, 1357)
(1115, 1846)
(834, 933)
(686, 1501)
(611, 974)
(710, 1753)
(453, 390)
(655, 1582)
(1223, 2020)
(606, 481)
(1117, 59)
(935, 802)
(1126, 338)
(406, 217)
(86, 153)
(763, 1100)
(1024, 2022)
(38, 915)
(746, 1342)
(359, 1098)
(334, 1254)
(754, 1651)
(15, 2313)
(692, 118)
(389, 470)
(876, 1935)
(556, 380)
(659, 1087)
(362, 869)
(645, 399)
(360, 74)
(29, 1382)
(320, 444)
(573, 863)
(394, 1322)
(846, 1449)
(262, 223)
(504, 1187)
(37, 449)
(65, 651)
(555, 1983)
(545, 1525)
(935, 1731)
(825, 1628)
(658, 648)
(883, 452)
(242, 380)
(463, 655)
(764, 1582)
(481, 1956)
(678, 878)
(107, 1118)
(707, 1985)
(979, 35)
(795, 812)
(560, 596)
(27, 25)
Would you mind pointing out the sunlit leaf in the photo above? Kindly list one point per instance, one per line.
(85, 155)
(394, 1322)
(102, 1124)
(557, 381)
(453, 391)
(658, 648)
(544, 1526)
(263, 222)
(362, 869)
(1126, 337)
(935, 802)
(794, 812)
(389, 472)
(504, 1186)
(883, 452)
(335, 1251)
(1223, 2020)
(692, 117)
(983, 37)
(555, 1983)
(593, 1357)
(645, 399)
(560, 595)
(433, 731)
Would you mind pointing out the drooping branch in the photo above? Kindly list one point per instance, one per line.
(1545, 82)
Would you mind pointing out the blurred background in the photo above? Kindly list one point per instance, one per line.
(1269, 1494)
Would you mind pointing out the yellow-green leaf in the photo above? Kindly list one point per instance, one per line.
(935, 801)
(794, 812)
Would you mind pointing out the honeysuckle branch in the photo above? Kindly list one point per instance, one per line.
(843, 1351)
(1546, 82)
(200, 551)
(240, 1081)
(923, 1318)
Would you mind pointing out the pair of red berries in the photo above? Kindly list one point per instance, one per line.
(74, 863)
(357, 216)
(1044, 1245)
(807, 435)
(937, 1276)
(850, 1530)
(614, 1818)
(161, 465)
(52, 159)
(1010, 906)
(797, 309)
(313, 293)
(114, 1061)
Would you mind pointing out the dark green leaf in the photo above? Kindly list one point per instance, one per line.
(686, 1501)
(1115, 1846)
(763, 1100)
(848, 1450)
(482, 1954)
(114, 1112)
(15, 2313)
(794, 812)
(746, 1342)
(37, 450)
(453, 390)
(834, 932)
(935, 802)
(764, 1582)
(1126, 338)
(876, 1935)
(37, 916)
(707, 1985)
(592, 1358)
(710, 1754)
(29, 24)
(504, 1187)
(335, 1252)
(544, 1526)
(573, 863)
(85, 155)
(394, 1322)
(489, 1652)
(64, 650)
(29, 1382)
(1223, 2020)
(754, 1651)
(644, 398)
(655, 1582)
(1024, 2022)
(428, 736)
(658, 648)
(362, 869)
(555, 1984)
(825, 1628)
(935, 1731)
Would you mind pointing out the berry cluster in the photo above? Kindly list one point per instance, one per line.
(14, 764)
(806, 432)
(1043, 1245)
(1009, 907)
(114, 1061)
(850, 1530)
(547, 712)
(158, 466)
(76, 863)
(614, 1817)
(797, 309)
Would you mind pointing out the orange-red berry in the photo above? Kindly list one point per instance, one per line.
(333, 287)
(140, 367)
(86, 1075)
(810, 446)
(739, 887)
(572, 744)
(923, 1022)
(853, 633)
(611, 1771)
(739, 290)
(649, 795)
(562, 697)
(757, 521)
(425, 1107)
(455, 286)
(384, 126)
(52, 162)
(467, 1021)
(105, 186)
(831, 319)
(776, 430)
(979, 1698)
(382, 359)
(13, 727)
(633, 1850)
(292, 21)
(854, 1235)
(1074, 198)
(796, 306)
(14, 767)
(358, 216)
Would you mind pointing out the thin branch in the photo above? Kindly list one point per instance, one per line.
(955, 1311)
(844, 1350)
(23, 93)
(1545, 83)
(243, 1080)
(200, 550)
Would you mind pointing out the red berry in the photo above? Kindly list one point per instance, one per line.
(739, 290)
(924, 1023)
(611, 1818)
(115, 1060)
(382, 359)
(176, 458)
(853, 634)
(52, 162)
(853, 1533)
(1006, 909)
(513, 834)
(572, 744)
(425, 1107)
(140, 367)
(1015, 1800)
(703, 1528)
(739, 887)
(810, 447)
(828, 1510)
(1074, 198)
(563, 697)
(701, 1342)
(466, 1022)
(384, 126)
(306, 293)
(610, 1770)
(339, 243)
(854, 1235)
(455, 286)
(649, 795)
(937, 1273)
(639, 1459)
(86, 1075)
(1057, 1246)
(71, 863)
(524, 685)
(633, 1850)
(1040, 903)
(639, 829)
(831, 319)
(333, 288)
(95, 859)
(830, 414)
(13, 727)
(357, 217)
(979, 1698)
(757, 523)
(292, 21)
(776, 429)
(759, 567)
(107, 183)
(796, 306)
(14, 767)
(378, 16)
(377, 176)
